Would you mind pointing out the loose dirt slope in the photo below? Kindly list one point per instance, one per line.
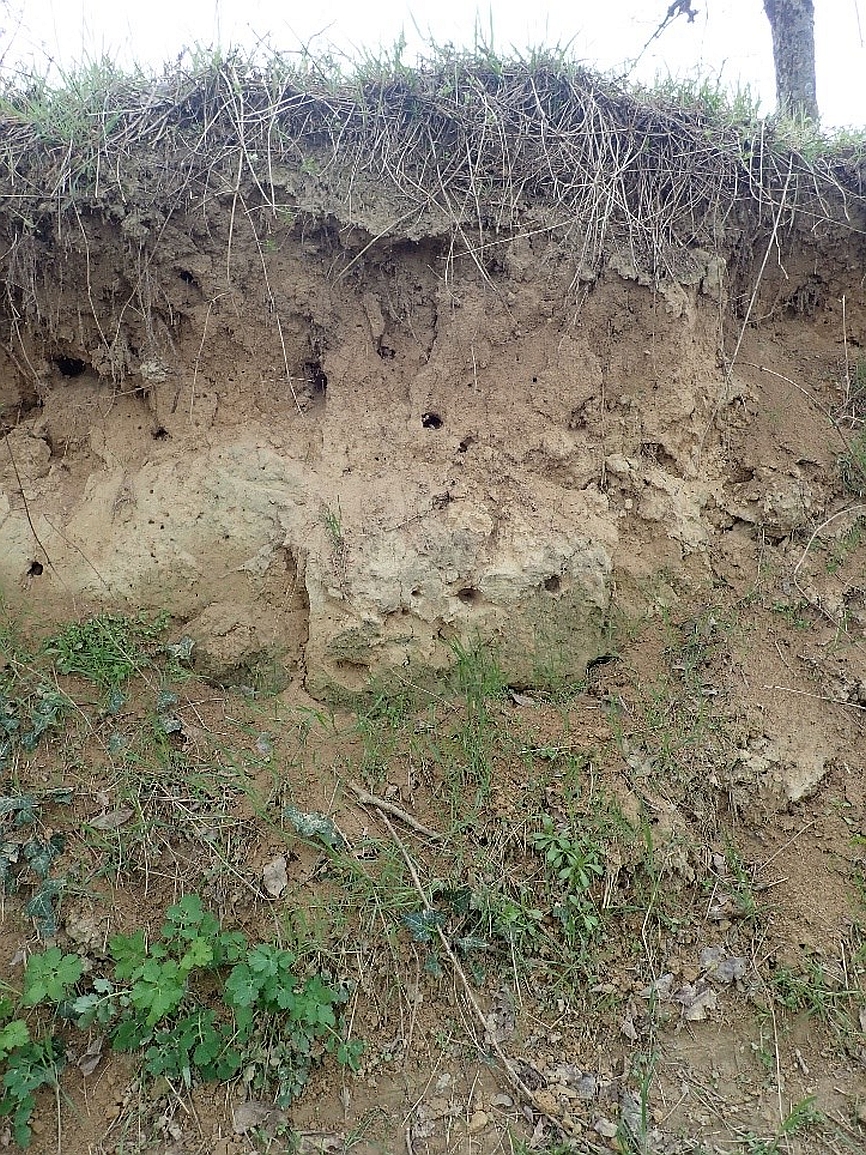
(526, 418)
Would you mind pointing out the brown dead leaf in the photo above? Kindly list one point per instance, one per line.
(113, 820)
(88, 1061)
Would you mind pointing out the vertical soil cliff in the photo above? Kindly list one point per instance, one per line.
(360, 382)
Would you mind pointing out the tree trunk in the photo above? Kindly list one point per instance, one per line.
(793, 26)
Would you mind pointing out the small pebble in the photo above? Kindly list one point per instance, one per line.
(606, 1129)
(478, 1122)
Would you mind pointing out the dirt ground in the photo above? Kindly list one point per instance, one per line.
(715, 758)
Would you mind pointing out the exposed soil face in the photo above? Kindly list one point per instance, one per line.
(351, 456)
(344, 456)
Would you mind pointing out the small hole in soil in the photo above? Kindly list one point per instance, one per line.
(431, 421)
(534, 380)
(70, 366)
(601, 660)
(160, 433)
(187, 277)
(741, 474)
(553, 584)
(386, 352)
(654, 451)
(35, 569)
(317, 377)
(469, 596)
(464, 444)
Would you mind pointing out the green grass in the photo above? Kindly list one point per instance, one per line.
(852, 464)
(106, 649)
(442, 131)
(802, 1119)
(824, 993)
(539, 883)
(333, 523)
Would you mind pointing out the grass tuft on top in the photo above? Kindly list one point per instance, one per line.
(466, 142)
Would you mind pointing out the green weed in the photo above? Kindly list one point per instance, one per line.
(106, 649)
(846, 544)
(851, 465)
(199, 1003)
(819, 993)
(466, 752)
(476, 675)
(27, 855)
(27, 1066)
(802, 1117)
(31, 705)
(332, 520)
(574, 863)
(740, 884)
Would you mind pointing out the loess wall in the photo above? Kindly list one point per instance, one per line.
(346, 453)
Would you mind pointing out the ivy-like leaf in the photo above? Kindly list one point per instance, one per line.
(470, 943)
(9, 855)
(315, 826)
(25, 807)
(40, 855)
(181, 650)
(41, 909)
(422, 924)
(115, 701)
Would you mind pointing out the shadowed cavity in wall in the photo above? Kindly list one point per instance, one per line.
(69, 366)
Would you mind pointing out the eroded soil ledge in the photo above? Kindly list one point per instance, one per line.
(252, 385)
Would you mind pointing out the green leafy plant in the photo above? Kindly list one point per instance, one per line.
(26, 716)
(28, 1066)
(198, 1003)
(574, 862)
(50, 976)
(269, 1020)
(26, 1063)
(26, 858)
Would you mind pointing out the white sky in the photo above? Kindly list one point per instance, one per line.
(729, 38)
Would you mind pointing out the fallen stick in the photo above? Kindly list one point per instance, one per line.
(368, 799)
